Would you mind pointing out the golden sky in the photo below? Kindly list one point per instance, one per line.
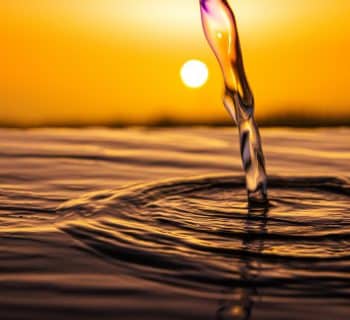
(105, 61)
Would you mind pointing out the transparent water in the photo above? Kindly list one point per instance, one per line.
(109, 224)
(220, 29)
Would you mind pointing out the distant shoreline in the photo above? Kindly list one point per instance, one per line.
(283, 121)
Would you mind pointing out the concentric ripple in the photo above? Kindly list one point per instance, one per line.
(199, 233)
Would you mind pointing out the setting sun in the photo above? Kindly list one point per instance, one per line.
(194, 73)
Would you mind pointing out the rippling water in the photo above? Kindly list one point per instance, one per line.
(154, 224)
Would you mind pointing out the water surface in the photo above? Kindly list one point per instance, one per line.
(154, 224)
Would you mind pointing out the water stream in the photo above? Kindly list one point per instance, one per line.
(220, 29)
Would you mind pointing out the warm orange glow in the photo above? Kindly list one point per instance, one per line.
(114, 61)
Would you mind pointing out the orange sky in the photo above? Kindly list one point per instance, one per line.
(103, 61)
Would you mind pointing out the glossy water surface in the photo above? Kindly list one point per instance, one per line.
(154, 224)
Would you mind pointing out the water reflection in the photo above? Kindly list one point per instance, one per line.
(241, 303)
(195, 235)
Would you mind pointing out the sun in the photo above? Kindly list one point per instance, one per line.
(194, 73)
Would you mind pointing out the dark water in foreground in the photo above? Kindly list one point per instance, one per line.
(153, 224)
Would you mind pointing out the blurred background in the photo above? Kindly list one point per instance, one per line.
(120, 62)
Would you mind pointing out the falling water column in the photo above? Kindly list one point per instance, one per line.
(220, 29)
